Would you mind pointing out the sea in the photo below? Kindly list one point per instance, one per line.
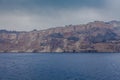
(59, 66)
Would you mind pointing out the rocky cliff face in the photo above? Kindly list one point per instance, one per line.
(95, 36)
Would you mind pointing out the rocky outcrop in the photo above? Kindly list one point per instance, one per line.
(95, 36)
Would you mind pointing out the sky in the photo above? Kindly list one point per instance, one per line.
(26, 15)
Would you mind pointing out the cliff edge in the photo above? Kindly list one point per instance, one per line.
(95, 36)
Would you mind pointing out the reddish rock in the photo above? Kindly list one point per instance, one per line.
(95, 36)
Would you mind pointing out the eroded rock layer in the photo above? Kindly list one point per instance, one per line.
(95, 36)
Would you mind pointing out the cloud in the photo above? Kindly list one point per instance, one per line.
(29, 21)
(112, 9)
(33, 16)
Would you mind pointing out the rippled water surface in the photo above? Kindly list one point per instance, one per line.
(99, 66)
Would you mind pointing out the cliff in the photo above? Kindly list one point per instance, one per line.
(95, 36)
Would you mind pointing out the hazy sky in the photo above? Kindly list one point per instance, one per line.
(41, 14)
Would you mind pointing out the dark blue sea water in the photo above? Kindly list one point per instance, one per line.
(99, 66)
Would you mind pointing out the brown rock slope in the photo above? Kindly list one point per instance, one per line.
(95, 36)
